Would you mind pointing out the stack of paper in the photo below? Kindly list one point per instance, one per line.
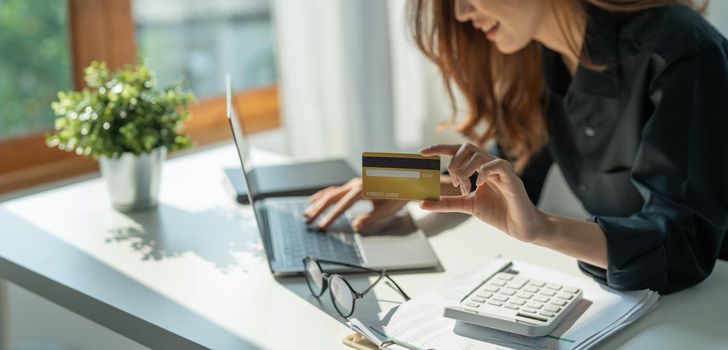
(419, 324)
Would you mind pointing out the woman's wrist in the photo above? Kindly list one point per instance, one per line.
(548, 231)
(580, 239)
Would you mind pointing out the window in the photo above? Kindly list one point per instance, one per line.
(36, 64)
(200, 41)
(51, 41)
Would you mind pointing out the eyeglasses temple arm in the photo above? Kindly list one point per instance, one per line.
(399, 289)
(382, 273)
(381, 276)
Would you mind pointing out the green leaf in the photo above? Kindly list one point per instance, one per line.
(138, 117)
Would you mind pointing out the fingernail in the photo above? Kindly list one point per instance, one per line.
(480, 180)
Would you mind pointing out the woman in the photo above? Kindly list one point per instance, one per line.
(630, 98)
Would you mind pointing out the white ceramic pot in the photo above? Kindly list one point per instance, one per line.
(133, 181)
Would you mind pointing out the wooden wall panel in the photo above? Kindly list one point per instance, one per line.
(101, 30)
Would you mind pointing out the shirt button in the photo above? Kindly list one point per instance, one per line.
(589, 131)
(583, 188)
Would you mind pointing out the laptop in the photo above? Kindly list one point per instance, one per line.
(397, 245)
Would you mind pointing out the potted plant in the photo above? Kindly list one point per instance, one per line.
(122, 120)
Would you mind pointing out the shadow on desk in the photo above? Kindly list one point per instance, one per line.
(367, 305)
(225, 237)
(383, 296)
(434, 224)
(81, 283)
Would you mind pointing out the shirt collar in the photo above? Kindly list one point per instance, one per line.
(601, 43)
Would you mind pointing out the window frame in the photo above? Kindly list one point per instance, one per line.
(104, 30)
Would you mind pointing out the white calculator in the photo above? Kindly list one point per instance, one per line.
(513, 303)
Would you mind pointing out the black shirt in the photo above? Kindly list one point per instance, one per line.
(643, 143)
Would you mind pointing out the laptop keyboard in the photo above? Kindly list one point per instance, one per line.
(293, 241)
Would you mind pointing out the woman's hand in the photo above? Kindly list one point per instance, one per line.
(342, 198)
(500, 198)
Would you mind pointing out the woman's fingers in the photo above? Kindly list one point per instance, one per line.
(450, 204)
(316, 196)
(466, 170)
(343, 204)
(499, 172)
(464, 152)
(326, 200)
(440, 150)
(382, 210)
(472, 165)
(443, 150)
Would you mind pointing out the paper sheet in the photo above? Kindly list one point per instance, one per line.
(419, 323)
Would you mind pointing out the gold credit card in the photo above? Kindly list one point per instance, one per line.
(400, 176)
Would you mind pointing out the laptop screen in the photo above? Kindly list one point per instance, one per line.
(245, 162)
(240, 142)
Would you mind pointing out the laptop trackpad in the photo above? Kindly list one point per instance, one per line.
(399, 244)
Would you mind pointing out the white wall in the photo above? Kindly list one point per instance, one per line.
(718, 15)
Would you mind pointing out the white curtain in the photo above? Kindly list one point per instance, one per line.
(718, 15)
(352, 80)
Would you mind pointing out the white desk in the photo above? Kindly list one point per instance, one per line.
(192, 273)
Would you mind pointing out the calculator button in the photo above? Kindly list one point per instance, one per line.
(524, 295)
(553, 286)
(551, 308)
(529, 310)
(517, 283)
(541, 299)
(472, 304)
(512, 307)
(534, 305)
(530, 289)
(505, 276)
(491, 288)
(477, 300)
(546, 313)
(558, 302)
(571, 290)
(548, 293)
(484, 295)
(518, 301)
(537, 283)
(564, 296)
(495, 303)
(498, 283)
(508, 291)
(499, 298)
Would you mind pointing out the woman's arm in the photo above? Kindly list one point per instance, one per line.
(681, 170)
(582, 240)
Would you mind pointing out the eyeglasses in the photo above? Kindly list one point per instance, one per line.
(343, 295)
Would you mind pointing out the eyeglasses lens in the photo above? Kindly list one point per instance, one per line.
(314, 278)
(341, 295)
